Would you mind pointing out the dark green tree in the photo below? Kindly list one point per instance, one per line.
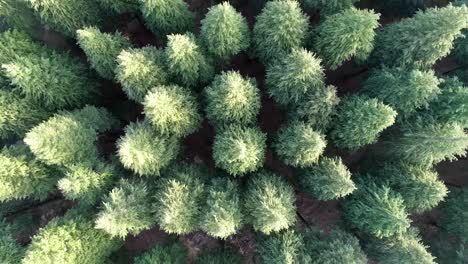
(286, 247)
(10, 251)
(20, 15)
(167, 16)
(225, 256)
(14, 44)
(174, 253)
(121, 6)
(328, 7)
(455, 214)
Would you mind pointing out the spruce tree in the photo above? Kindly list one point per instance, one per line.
(225, 256)
(423, 39)
(19, 14)
(102, 49)
(455, 214)
(327, 180)
(174, 253)
(359, 121)
(167, 16)
(286, 247)
(14, 44)
(280, 27)
(121, 6)
(269, 203)
(10, 251)
(139, 70)
(328, 7)
(345, 35)
(225, 31)
(291, 77)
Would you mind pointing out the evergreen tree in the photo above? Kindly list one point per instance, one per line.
(121, 6)
(359, 121)
(173, 253)
(172, 110)
(291, 77)
(232, 99)
(10, 251)
(102, 49)
(299, 145)
(139, 70)
(167, 16)
(20, 15)
(455, 213)
(269, 203)
(222, 216)
(280, 27)
(329, 179)
(14, 44)
(225, 31)
(145, 151)
(239, 150)
(220, 257)
(286, 247)
(345, 35)
(422, 39)
(328, 7)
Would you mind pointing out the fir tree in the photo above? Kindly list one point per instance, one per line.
(269, 203)
(345, 35)
(280, 27)
(455, 213)
(286, 247)
(121, 6)
(225, 31)
(329, 179)
(139, 70)
(291, 77)
(173, 253)
(329, 7)
(102, 49)
(14, 44)
(167, 16)
(359, 121)
(10, 251)
(225, 256)
(20, 15)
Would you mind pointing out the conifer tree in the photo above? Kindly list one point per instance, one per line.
(173, 253)
(329, 7)
(22, 176)
(329, 179)
(144, 151)
(345, 35)
(285, 247)
(280, 28)
(139, 70)
(299, 145)
(172, 110)
(225, 256)
(10, 251)
(455, 214)
(239, 150)
(225, 31)
(422, 39)
(14, 44)
(291, 77)
(19, 14)
(121, 6)
(232, 99)
(102, 49)
(359, 121)
(167, 16)
(269, 203)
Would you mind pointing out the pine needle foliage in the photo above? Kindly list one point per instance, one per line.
(173, 253)
(286, 247)
(239, 150)
(298, 145)
(15, 43)
(167, 16)
(225, 256)
(329, 179)
(280, 28)
(139, 70)
(102, 49)
(455, 214)
(121, 6)
(328, 7)
(19, 14)
(269, 203)
(291, 77)
(10, 251)
(225, 31)
(345, 35)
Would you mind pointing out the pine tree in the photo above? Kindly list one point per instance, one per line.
(121, 6)
(299, 145)
(269, 203)
(102, 49)
(329, 179)
(345, 35)
(225, 256)
(286, 247)
(172, 110)
(239, 150)
(10, 251)
(167, 16)
(329, 7)
(145, 151)
(422, 39)
(225, 31)
(19, 14)
(280, 28)
(359, 121)
(139, 70)
(14, 44)
(291, 77)
(173, 253)
(455, 214)
(232, 99)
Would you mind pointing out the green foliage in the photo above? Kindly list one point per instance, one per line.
(455, 213)
(285, 247)
(172, 110)
(291, 77)
(22, 176)
(377, 210)
(126, 210)
(102, 49)
(225, 31)
(329, 179)
(139, 70)
(19, 14)
(145, 151)
(121, 6)
(299, 145)
(179, 199)
(347, 34)
(67, 16)
(269, 203)
(10, 251)
(167, 16)
(404, 90)
(280, 28)
(422, 39)
(186, 62)
(328, 7)
(239, 150)
(359, 121)
(232, 99)
(14, 44)
(222, 216)
(220, 257)
(174, 253)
